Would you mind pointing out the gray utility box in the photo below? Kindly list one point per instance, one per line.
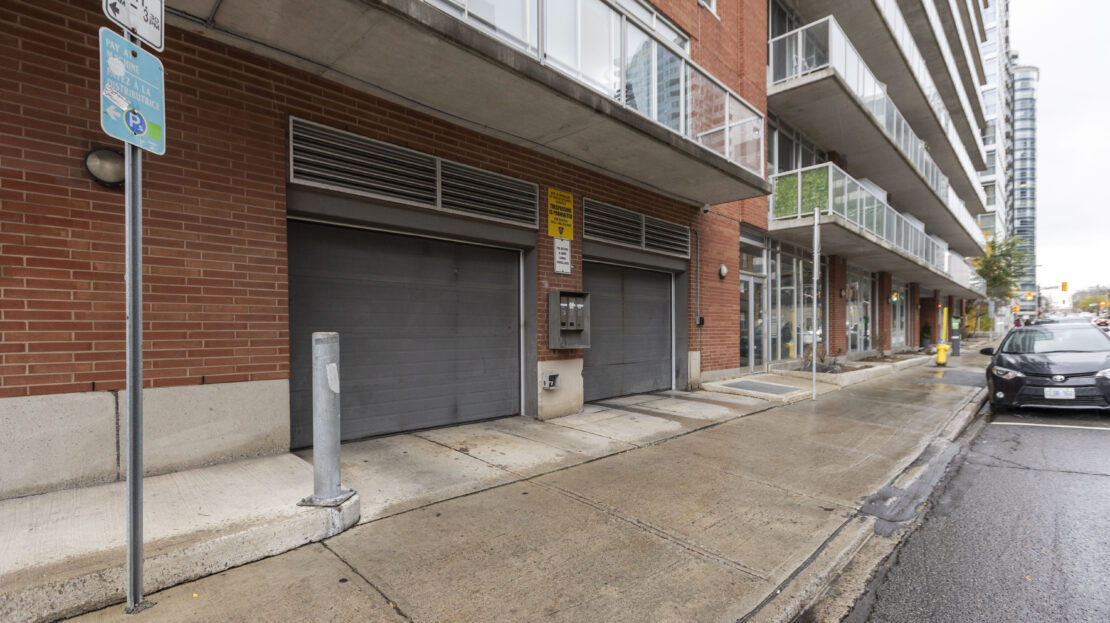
(568, 320)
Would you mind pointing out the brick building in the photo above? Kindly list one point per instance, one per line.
(404, 172)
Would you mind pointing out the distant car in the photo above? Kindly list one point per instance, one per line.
(1056, 365)
(1062, 320)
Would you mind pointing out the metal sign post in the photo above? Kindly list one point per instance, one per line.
(132, 109)
(816, 273)
(133, 208)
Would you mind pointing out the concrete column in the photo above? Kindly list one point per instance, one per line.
(837, 342)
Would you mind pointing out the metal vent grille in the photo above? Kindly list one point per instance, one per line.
(473, 191)
(601, 221)
(666, 237)
(608, 223)
(330, 158)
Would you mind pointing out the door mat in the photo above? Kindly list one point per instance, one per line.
(765, 388)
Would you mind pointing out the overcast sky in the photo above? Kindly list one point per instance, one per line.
(1067, 41)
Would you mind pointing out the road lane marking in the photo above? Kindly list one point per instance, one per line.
(1051, 425)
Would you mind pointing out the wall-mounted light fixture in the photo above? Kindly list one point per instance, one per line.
(105, 166)
(722, 271)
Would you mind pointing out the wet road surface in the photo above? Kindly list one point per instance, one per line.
(1021, 532)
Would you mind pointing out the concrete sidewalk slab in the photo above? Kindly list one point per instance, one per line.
(402, 472)
(64, 552)
(524, 446)
(619, 425)
(524, 552)
(754, 526)
(312, 583)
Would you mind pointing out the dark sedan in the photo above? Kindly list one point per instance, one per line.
(1065, 366)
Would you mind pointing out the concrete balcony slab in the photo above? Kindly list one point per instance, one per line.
(414, 54)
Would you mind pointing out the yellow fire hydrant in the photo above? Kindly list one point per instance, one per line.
(942, 354)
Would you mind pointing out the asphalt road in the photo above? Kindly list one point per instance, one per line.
(1020, 533)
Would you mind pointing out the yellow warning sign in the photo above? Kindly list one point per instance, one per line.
(560, 214)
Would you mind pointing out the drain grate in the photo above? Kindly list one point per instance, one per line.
(766, 388)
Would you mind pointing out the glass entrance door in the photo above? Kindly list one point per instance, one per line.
(752, 326)
(859, 313)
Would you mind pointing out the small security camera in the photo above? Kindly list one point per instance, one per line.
(705, 208)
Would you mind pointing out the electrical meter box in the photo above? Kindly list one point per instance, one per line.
(568, 320)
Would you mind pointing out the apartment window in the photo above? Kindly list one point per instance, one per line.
(782, 20)
(988, 190)
(988, 134)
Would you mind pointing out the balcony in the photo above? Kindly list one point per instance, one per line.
(881, 35)
(820, 85)
(584, 82)
(857, 224)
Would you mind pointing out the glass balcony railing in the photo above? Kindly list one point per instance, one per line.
(823, 44)
(641, 65)
(827, 187)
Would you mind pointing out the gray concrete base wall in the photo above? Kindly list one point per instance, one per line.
(56, 442)
(72, 440)
(568, 397)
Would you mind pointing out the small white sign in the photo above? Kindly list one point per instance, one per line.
(332, 371)
(562, 256)
(145, 18)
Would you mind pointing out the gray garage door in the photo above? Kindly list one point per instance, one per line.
(630, 343)
(429, 329)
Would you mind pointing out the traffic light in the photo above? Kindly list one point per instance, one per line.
(1064, 287)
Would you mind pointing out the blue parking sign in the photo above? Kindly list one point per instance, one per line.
(132, 93)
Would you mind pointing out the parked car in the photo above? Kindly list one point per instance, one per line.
(1056, 365)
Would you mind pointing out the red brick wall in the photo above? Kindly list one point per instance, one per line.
(837, 342)
(913, 320)
(215, 280)
(719, 339)
(882, 328)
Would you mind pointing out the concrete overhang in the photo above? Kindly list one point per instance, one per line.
(866, 28)
(947, 79)
(412, 53)
(863, 249)
(964, 48)
(968, 9)
(822, 106)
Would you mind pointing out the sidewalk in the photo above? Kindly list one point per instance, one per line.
(671, 506)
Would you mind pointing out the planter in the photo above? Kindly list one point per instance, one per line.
(865, 372)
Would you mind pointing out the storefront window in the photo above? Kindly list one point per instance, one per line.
(788, 320)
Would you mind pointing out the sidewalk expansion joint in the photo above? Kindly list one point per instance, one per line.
(698, 550)
(392, 604)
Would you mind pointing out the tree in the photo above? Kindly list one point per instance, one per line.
(1091, 304)
(1001, 267)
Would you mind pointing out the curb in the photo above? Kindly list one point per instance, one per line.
(807, 588)
(49, 593)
